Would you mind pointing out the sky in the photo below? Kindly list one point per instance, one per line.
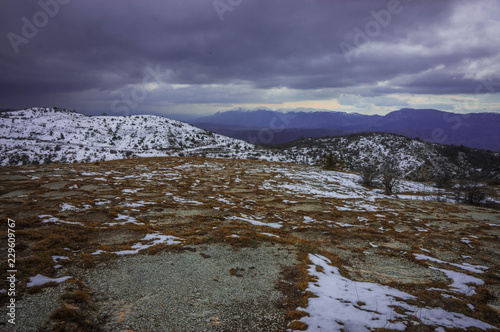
(197, 57)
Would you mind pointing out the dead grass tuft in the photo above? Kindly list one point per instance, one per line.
(72, 318)
(293, 285)
(235, 272)
(77, 296)
(298, 325)
(66, 313)
(296, 315)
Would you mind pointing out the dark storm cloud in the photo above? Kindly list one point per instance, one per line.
(105, 46)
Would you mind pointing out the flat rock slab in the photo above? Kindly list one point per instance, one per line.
(215, 288)
(18, 192)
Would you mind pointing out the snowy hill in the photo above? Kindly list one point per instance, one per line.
(416, 159)
(43, 135)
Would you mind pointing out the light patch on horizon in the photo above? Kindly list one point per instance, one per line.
(354, 104)
(331, 104)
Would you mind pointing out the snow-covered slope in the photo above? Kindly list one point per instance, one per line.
(42, 135)
(416, 159)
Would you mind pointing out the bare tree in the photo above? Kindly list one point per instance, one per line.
(390, 175)
(470, 190)
(329, 162)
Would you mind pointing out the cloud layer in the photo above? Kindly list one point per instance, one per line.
(162, 56)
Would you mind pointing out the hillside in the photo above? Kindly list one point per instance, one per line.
(198, 244)
(44, 135)
(416, 159)
(475, 130)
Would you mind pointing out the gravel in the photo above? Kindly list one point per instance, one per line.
(212, 288)
(224, 289)
(33, 310)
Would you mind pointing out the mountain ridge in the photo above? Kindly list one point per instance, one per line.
(475, 130)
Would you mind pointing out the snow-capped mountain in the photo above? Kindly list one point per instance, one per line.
(43, 135)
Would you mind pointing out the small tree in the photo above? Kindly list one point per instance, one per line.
(331, 162)
(390, 176)
(469, 189)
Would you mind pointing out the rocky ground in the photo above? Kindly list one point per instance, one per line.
(199, 244)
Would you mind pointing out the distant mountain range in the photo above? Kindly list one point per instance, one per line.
(477, 130)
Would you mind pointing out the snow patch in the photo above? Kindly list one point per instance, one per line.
(346, 305)
(39, 280)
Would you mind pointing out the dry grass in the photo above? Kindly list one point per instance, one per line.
(77, 296)
(298, 325)
(209, 222)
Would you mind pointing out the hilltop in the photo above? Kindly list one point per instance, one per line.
(44, 135)
(202, 244)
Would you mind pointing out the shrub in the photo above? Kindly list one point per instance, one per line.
(331, 162)
(470, 191)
